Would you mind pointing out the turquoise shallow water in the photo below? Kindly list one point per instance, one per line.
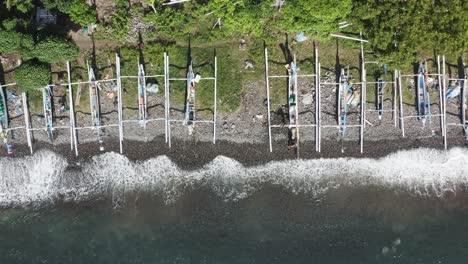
(270, 226)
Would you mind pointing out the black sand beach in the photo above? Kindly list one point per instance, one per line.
(192, 154)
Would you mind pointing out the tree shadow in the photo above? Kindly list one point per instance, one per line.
(141, 58)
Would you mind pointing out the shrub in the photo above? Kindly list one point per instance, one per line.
(12, 41)
(53, 50)
(32, 75)
(78, 10)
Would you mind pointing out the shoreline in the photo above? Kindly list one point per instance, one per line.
(195, 154)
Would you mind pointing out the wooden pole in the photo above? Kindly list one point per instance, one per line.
(445, 103)
(119, 92)
(165, 95)
(319, 100)
(317, 108)
(168, 103)
(72, 112)
(27, 122)
(215, 95)
(441, 97)
(395, 98)
(268, 99)
(402, 121)
(297, 106)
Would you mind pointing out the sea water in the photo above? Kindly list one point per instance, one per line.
(409, 207)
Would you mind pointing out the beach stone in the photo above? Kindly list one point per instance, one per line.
(307, 99)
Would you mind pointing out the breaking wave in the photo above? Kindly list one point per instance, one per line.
(47, 177)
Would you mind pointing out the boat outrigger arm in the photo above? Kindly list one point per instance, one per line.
(48, 111)
(345, 95)
(380, 97)
(142, 99)
(190, 101)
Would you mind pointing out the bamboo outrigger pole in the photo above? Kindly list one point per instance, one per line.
(445, 103)
(317, 104)
(215, 95)
(168, 102)
(119, 99)
(400, 92)
(27, 122)
(72, 112)
(166, 96)
(268, 99)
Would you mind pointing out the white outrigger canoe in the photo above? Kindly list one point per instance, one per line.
(345, 96)
(94, 100)
(293, 139)
(142, 99)
(190, 100)
(380, 97)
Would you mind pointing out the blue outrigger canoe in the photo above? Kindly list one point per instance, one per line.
(423, 98)
(345, 95)
(3, 111)
(190, 101)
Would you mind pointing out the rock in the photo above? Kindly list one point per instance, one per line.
(307, 99)
(249, 64)
(259, 117)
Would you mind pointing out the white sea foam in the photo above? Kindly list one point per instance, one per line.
(44, 177)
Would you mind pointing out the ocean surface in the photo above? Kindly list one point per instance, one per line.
(409, 207)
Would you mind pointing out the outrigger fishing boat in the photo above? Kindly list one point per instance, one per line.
(345, 96)
(464, 106)
(95, 104)
(94, 100)
(48, 111)
(424, 103)
(292, 107)
(3, 112)
(380, 97)
(190, 101)
(142, 106)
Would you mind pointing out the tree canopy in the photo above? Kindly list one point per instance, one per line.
(32, 75)
(400, 30)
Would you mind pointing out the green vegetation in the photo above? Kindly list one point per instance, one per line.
(32, 75)
(400, 31)
(80, 12)
(53, 49)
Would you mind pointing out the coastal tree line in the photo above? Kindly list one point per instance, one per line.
(399, 31)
